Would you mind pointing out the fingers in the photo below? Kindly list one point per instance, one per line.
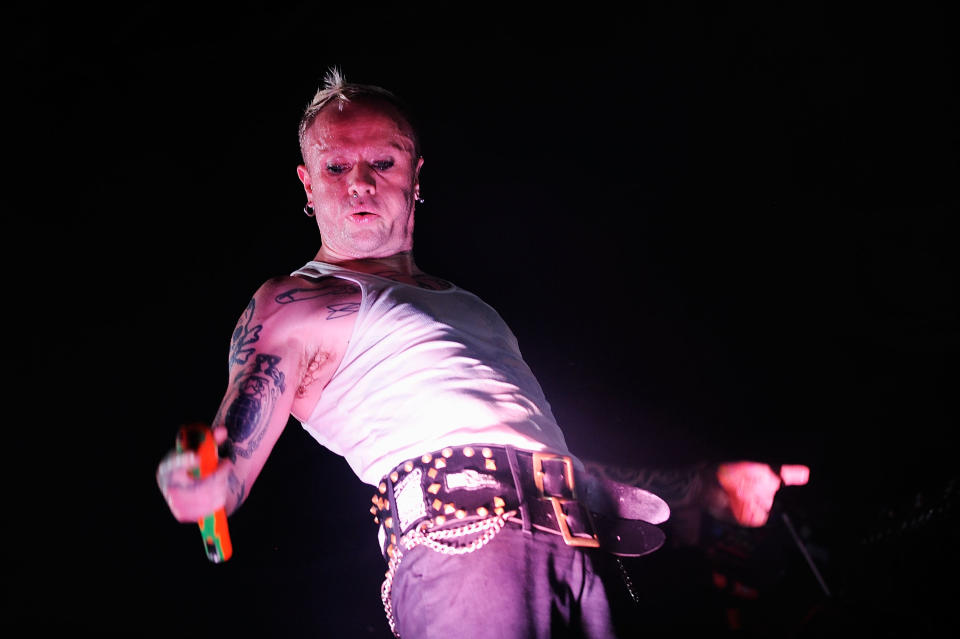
(750, 487)
(747, 478)
(176, 468)
(175, 472)
(749, 513)
(794, 474)
(189, 497)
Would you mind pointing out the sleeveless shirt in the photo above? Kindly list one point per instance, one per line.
(425, 369)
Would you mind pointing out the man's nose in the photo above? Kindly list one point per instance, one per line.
(361, 180)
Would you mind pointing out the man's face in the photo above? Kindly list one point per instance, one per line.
(361, 177)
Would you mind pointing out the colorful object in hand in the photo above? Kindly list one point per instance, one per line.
(213, 528)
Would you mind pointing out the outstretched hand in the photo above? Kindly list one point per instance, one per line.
(190, 497)
(747, 489)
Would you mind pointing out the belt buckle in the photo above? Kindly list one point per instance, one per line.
(568, 537)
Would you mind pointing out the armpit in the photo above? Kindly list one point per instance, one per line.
(311, 372)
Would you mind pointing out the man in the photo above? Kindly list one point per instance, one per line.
(489, 525)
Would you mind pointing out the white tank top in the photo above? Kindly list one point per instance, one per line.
(426, 369)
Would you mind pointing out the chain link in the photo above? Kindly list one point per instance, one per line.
(627, 581)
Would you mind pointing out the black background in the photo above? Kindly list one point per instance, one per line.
(718, 232)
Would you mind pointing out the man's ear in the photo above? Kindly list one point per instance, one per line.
(304, 176)
(416, 178)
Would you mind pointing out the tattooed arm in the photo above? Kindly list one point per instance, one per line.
(741, 491)
(679, 487)
(290, 337)
(256, 405)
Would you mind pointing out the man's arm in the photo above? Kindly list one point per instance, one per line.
(264, 369)
(741, 492)
(679, 487)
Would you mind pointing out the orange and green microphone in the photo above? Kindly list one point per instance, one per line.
(198, 437)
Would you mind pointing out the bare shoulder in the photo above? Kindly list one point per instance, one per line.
(314, 312)
(312, 318)
(292, 311)
(290, 297)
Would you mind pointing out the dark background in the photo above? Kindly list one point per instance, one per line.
(718, 232)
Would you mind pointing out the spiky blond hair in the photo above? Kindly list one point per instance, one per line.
(336, 90)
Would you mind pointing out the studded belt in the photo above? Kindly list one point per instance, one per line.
(463, 484)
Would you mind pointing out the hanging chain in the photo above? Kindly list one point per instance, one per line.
(627, 581)
(416, 537)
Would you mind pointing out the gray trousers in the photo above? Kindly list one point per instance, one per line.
(515, 587)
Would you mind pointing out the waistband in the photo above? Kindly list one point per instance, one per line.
(538, 491)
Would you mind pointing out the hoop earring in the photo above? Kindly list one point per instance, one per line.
(308, 210)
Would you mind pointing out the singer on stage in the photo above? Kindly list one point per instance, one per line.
(488, 524)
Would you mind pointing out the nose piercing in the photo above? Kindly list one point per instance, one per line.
(356, 195)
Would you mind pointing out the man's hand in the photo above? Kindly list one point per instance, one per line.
(191, 498)
(747, 490)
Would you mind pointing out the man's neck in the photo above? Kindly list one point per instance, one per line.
(399, 262)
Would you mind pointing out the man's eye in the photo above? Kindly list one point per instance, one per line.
(336, 169)
(382, 165)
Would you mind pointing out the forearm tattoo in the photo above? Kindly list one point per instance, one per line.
(336, 310)
(256, 385)
(237, 487)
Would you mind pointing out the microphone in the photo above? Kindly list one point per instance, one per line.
(198, 437)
